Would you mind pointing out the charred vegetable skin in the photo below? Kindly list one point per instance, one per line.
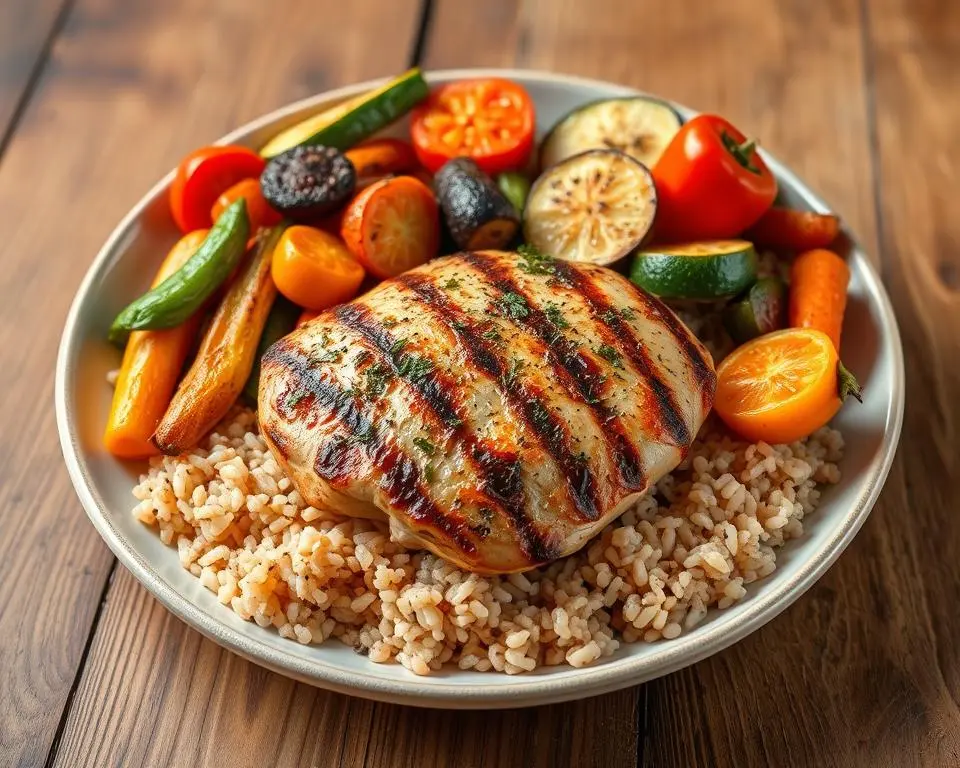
(477, 213)
(226, 355)
(306, 182)
(762, 310)
(185, 291)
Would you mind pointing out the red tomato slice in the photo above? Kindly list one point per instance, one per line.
(203, 176)
(490, 120)
(392, 226)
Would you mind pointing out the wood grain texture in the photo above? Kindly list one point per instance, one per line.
(26, 27)
(129, 88)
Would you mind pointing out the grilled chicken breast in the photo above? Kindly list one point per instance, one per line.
(500, 409)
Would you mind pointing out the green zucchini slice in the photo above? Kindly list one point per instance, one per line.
(595, 207)
(637, 125)
(708, 270)
(356, 119)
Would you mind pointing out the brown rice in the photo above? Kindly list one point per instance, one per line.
(710, 528)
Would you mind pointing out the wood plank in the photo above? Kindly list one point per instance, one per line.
(131, 86)
(25, 28)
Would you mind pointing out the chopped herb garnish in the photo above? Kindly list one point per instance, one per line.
(414, 367)
(377, 377)
(365, 436)
(459, 325)
(610, 317)
(535, 262)
(390, 322)
(428, 473)
(397, 346)
(513, 371)
(513, 305)
(319, 357)
(611, 355)
(425, 445)
(451, 285)
(492, 334)
(627, 314)
(295, 397)
(555, 315)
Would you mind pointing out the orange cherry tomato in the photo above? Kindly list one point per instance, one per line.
(314, 269)
(203, 176)
(782, 386)
(489, 120)
(392, 226)
(258, 209)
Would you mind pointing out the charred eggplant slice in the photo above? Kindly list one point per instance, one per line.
(595, 207)
(478, 215)
(638, 125)
(307, 182)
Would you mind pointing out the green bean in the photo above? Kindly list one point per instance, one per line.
(282, 319)
(515, 187)
(185, 291)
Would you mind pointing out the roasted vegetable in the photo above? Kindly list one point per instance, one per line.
(638, 125)
(259, 211)
(712, 183)
(226, 355)
(382, 157)
(595, 207)
(314, 268)
(179, 296)
(306, 182)
(203, 176)
(349, 123)
(794, 230)
(490, 120)
(515, 187)
(782, 386)
(762, 310)
(392, 226)
(281, 320)
(152, 363)
(477, 213)
(714, 269)
(818, 292)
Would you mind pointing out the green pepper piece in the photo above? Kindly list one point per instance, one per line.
(760, 310)
(281, 320)
(185, 291)
(515, 187)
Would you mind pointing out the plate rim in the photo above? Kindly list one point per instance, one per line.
(519, 690)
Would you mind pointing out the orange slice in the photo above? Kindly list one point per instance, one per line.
(779, 387)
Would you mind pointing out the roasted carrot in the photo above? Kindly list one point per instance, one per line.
(380, 157)
(818, 292)
(794, 230)
(151, 366)
(226, 354)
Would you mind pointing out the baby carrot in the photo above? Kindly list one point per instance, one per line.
(151, 366)
(818, 292)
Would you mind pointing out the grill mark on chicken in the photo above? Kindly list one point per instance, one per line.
(703, 371)
(605, 315)
(581, 376)
(524, 399)
(401, 480)
(498, 471)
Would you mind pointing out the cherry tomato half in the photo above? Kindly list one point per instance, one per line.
(489, 120)
(203, 176)
(258, 209)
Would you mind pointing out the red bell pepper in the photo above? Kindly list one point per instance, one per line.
(711, 183)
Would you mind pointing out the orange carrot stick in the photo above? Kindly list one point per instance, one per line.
(818, 292)
(151, 366)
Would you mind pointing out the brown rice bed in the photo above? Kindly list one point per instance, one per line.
(711, 528)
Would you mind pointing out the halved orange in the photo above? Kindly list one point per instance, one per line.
(779, 387)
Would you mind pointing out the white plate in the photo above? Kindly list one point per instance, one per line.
(123, 268)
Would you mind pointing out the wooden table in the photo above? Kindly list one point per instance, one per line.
(99, 97)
